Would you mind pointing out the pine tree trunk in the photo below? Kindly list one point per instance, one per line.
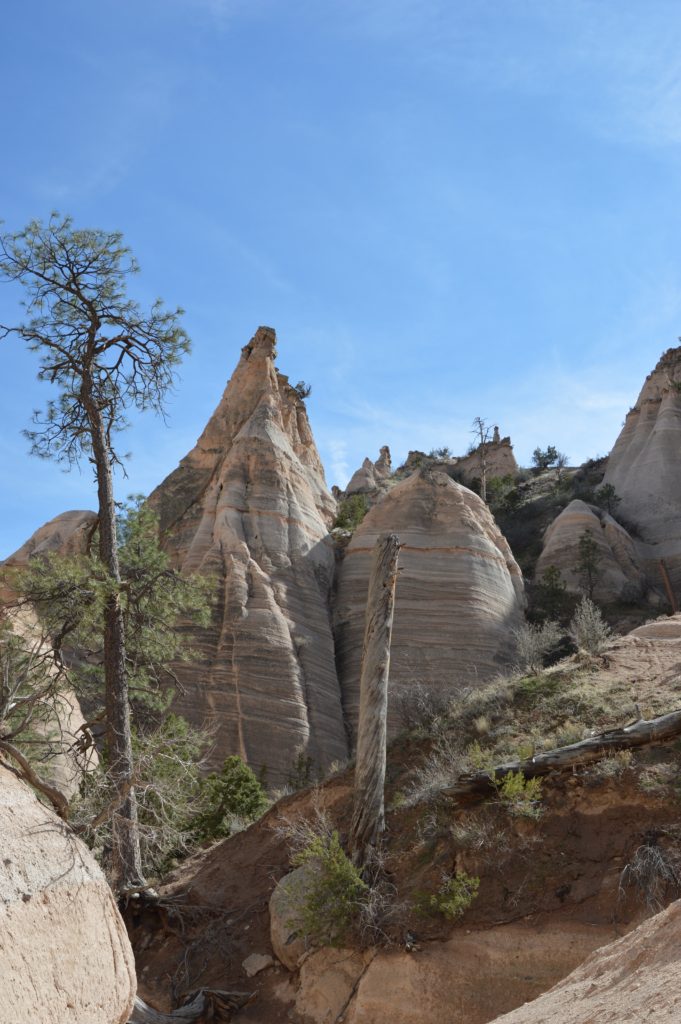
(368, 820)
(127, 860)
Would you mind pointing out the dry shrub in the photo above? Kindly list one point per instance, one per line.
(422, 708)
(588, 629)
(445, 762)
(654, 871)
(534, 643)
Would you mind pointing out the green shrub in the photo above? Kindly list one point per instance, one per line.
(232, 793)
(608, 498)
(520, 795)
(332, 900)
(351, 512)
(452, 899)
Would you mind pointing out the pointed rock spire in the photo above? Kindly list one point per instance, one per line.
(249, 506)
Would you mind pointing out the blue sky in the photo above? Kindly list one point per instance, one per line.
(445, 209)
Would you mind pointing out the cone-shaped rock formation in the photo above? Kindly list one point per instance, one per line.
(459, 592)
(619, 575)
(645, 469)
(67, 534)
(249, 506)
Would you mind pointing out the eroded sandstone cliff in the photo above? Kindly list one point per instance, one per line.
(644, 469)
(459, 593)
(619, 576)
(249, 506)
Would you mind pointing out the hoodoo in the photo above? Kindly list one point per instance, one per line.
(645, 470)
(620, 576)
(459, 593)
(249, 506)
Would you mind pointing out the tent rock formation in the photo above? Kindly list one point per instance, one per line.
(459, 592)
(645, 469)
(249, 506)
(620, 576)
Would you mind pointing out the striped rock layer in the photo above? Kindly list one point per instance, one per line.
(459, 590)
(249, 506)
(645, 469)
(619, 573)
(64, 950)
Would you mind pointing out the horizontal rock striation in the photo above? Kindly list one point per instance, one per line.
(64, 950)
(645, 469)
(459, 590)
(249, 507)
(619, 574)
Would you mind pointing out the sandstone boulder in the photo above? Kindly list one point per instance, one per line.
(249, 507)
(645, 469)
(64, 951)
(459, 592)
(636, 979)
(286, 924)
(620, 575)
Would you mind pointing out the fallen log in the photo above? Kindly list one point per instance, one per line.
(595, 748)
(205, 1005)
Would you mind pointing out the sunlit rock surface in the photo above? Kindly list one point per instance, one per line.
(64, 950)
(249, 506)
(619, 573)
(645, 469)
(459, 591)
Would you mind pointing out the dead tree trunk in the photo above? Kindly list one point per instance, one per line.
(368, 819)
(207, 1004)
(639, 734)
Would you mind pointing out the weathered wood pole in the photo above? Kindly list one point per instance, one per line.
(368, 819)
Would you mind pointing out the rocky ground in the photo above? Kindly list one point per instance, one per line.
(552, 888)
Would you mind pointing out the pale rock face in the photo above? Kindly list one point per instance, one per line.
(64, 950)
(370, 475)
(637, 978)
(499, 459)
(249, 506)
(363, 480)
(645, 469)
(620, 574)
(459, 589)
(66, 534)
(383, 465)
(286, 924)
